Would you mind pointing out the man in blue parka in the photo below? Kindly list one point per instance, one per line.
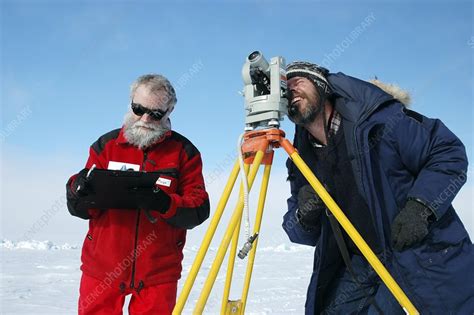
(394, 173)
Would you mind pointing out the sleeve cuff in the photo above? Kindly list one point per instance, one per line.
(172, 209)
(426, 204)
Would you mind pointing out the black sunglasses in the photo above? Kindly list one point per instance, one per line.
(140, 110)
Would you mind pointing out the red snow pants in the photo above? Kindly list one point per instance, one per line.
(97, 298)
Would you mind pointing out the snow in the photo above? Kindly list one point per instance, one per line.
(41, 277)
(38, 245)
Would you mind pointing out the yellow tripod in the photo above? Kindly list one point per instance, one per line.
(258, 149)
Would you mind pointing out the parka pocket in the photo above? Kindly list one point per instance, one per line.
(442, 243)
(90, 243)
(180, 238)
(444, 262)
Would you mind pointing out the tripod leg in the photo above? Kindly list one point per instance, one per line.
(227, 238)
(233, 251)
(206, 241)
(350, 229)
(258, 223)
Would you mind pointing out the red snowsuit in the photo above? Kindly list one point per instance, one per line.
(123, 249)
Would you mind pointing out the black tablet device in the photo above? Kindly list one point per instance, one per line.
(117, 189)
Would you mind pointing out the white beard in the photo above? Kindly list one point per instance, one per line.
(141, 137)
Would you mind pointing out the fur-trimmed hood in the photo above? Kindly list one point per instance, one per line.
(397, 92)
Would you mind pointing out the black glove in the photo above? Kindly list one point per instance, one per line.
(310, 207)
(80, 186)
(410, 225)
(153, 199)
(74, 195)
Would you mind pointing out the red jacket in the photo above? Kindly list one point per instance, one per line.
(123, 247)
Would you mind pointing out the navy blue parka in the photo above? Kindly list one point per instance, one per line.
(396, 154)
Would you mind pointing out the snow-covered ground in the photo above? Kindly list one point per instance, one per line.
(40, 277)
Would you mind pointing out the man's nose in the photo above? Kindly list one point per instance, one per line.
(292, 88)
(146, 118)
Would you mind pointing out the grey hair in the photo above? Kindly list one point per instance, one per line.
(156, 83)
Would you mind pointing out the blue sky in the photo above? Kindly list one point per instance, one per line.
(66, 68)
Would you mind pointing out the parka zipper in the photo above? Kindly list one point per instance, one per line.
(359, 160)
(132, 282)
(358, 152)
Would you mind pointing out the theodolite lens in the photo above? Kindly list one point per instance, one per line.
(253, 56)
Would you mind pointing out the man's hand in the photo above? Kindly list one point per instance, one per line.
(310, 207)
(75, 191)
(410, 225)
(80, 186)
(153, 199)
